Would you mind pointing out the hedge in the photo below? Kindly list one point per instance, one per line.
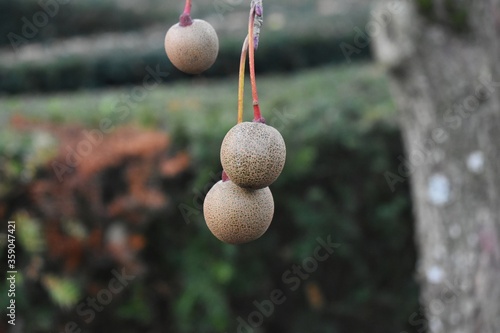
(279, 54)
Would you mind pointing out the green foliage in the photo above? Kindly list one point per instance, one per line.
(339, 127)
(136, 307)
(277, 54)
(63, 291)
(305, 39)
(20, 156)
(72, 18)
(90, 17)
(29, 233)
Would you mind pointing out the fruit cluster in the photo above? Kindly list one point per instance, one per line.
(240, 207)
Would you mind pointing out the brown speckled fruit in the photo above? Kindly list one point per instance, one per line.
(193, 48)
(236, 215)
(253, 154)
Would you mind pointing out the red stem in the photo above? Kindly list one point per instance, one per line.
(187, 7)
(257, 116)
(224, 177)
(185, 18)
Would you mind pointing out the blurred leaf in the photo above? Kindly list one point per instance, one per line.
(63, 291)
(136, 307)
(29, 233)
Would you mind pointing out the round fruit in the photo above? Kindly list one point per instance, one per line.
(236, 215)
(192, 48)
(253, 154)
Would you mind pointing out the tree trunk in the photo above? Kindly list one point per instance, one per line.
(443, 57)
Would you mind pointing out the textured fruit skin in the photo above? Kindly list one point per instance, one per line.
(236, 215)
(253, 154)
(193, 48)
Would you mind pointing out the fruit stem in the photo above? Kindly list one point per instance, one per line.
(241, 81)
(185, 18)
(257, 116)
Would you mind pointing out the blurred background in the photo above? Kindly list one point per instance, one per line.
(107, 151)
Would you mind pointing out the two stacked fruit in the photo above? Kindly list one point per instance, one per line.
(240, 207)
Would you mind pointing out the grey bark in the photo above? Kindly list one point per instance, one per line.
(445, 80)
